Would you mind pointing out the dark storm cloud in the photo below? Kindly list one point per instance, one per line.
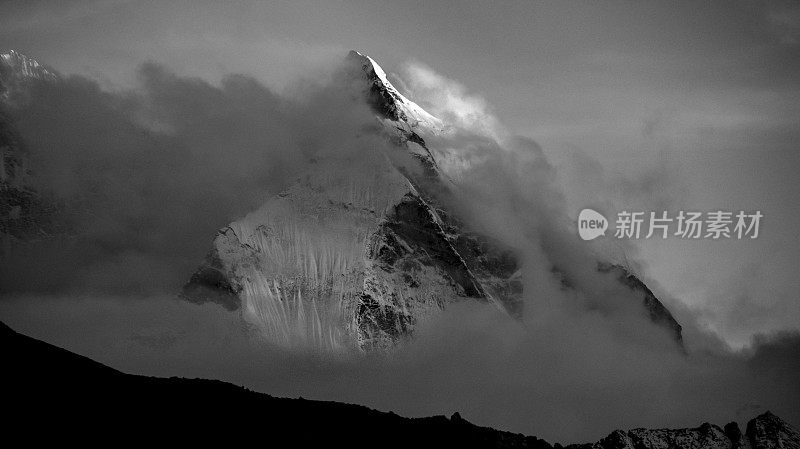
(147, 176)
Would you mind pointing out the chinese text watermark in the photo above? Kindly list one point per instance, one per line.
(683, 224)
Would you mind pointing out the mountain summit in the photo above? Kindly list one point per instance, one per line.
(387, 100)
(16, 67)
(356, 251)
(360, 251)
(23, 66)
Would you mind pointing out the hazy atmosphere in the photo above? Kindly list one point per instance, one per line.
(174, 119)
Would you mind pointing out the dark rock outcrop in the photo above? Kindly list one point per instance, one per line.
(656, 311)
(768, 431)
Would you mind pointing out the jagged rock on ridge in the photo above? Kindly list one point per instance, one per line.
(765, 431)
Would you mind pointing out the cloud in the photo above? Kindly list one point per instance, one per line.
(783, 19)
(146, 176)
(566, 375)
(158, 169)
(449, 100)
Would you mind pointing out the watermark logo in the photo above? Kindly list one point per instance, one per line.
(713, 225)
(591, 224)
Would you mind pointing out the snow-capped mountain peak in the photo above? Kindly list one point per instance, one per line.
(398, 107)
(361, 250)
(23, 66)
(358, 250)
(16, 70)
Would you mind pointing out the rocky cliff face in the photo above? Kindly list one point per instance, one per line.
(656, 311)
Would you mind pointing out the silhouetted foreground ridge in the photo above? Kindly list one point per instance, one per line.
(53, 395)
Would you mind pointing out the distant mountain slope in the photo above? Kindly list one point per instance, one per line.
(52, 395)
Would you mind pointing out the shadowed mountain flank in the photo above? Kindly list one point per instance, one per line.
(53, 395)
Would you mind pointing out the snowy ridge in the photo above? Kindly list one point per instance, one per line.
(408, 112)
(765, 431)
(25, 67)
